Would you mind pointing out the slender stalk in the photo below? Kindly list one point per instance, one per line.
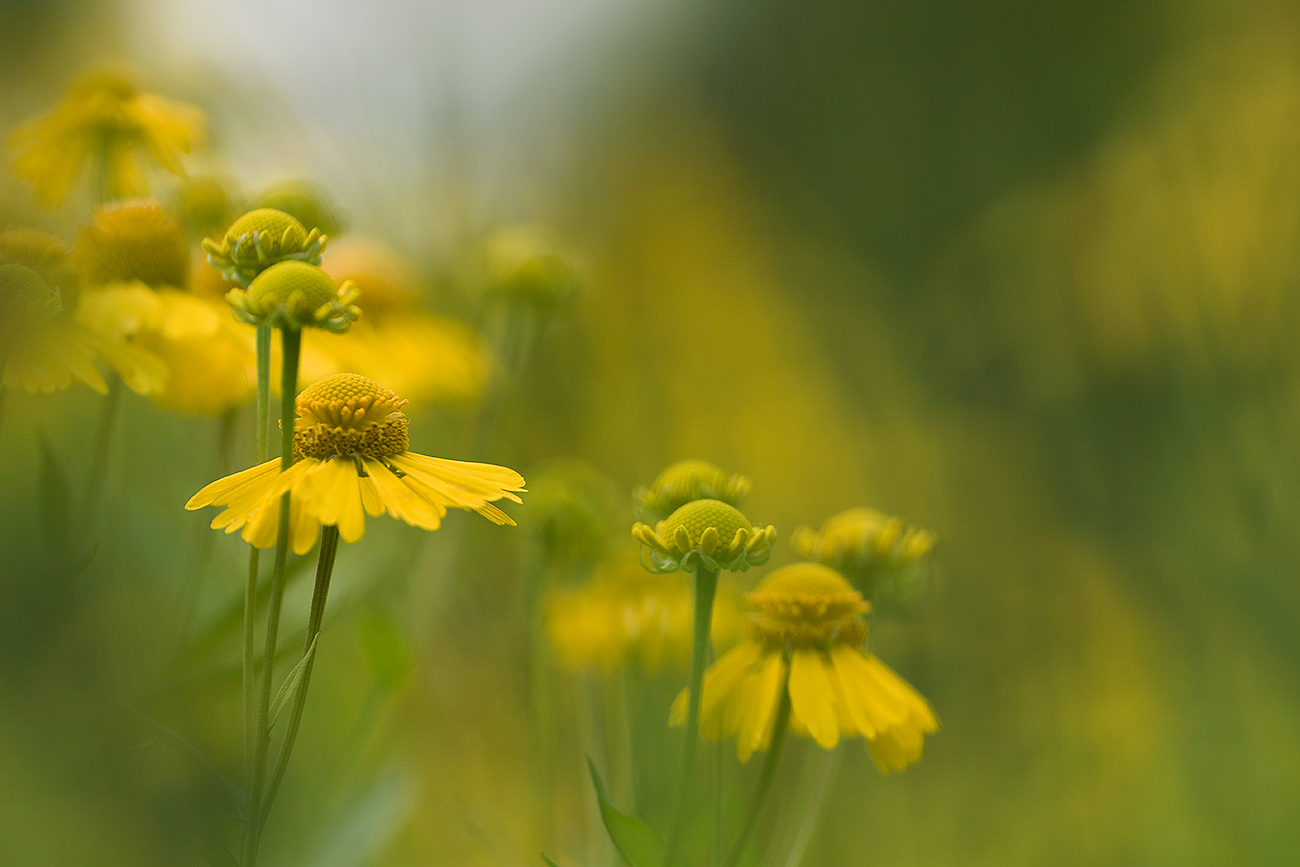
(766, 776)
(290, 343)
(103, 444)
(706, 587)
(717, 803)
(826, 768)
(254, 555)
(329, 546)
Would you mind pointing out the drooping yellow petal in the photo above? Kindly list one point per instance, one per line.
(460, 484)
(401, 500)
(765, 689)
(870, 690)
(332, 493)
(218, 493)
(812, 698)
(719, 682)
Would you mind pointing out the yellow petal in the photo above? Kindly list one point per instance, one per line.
(404, 501)
(765, 689)
(219, 492)
(812, 698)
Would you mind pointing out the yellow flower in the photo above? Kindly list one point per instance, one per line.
(259, 239)
(211, 361)
(135, 240)
(624, 614)
(805, 641)
(350, 460)
(865, 545)
(690, 480)
(105, 118)
(46, 348)
(707, 534)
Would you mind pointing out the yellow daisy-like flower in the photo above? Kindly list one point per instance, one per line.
(104, 117)
(134, 240)
(625, 614)
(806, 641)
(858, 541)
(350, 460)
(707, 534)
(46, 348)
(690, 480)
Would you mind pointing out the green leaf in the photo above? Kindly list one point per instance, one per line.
(548, 861)
(636, 841)
(291, 684)
(53, 496)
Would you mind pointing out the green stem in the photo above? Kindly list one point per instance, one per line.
(329, 546)
(254, 555)
(816, 804)
(103, 444)
(290, 343)
(766, 776)
(706, 587)
(717, 803)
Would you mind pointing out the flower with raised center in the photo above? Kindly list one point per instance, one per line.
(707, 534)
(878, 552)
(259, 239)
(104, 118)
(689, 480)
(296, 295)
(134, 240)
(805, 640)
(351, 459)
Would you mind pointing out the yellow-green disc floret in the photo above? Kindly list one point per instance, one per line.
(705, 533)
(259, 239)
(298, 295)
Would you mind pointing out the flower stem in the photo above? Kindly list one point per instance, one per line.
(103, 444)
(250, 590)
(290, 342)
(706, 587)
(766, 776)
(329, 546)
(816, 803)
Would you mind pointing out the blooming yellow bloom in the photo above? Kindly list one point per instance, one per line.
(805, 641)
(46, 348)
(625, 613)
(350, 460)
(858, 539)
(104, 117)
(134, 240)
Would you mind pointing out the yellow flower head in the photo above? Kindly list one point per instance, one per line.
(135, 240)
(104, 118)
(44, 348)
(707, 534)
(805, 642)
(623, 614)
(689, 480)
(521, 264)
(859, 542)
(350, 460)
(296, 295)
(260, 239)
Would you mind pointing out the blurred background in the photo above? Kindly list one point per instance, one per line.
(1024, 274)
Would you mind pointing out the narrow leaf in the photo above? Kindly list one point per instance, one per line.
(636, 841)
(292, 683)
(548, 861)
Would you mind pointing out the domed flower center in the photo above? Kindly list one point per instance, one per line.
(135, 240)
(348, 414)
(807, 606)
(699, 515)
(280, 227)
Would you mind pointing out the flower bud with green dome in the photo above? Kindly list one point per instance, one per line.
(262, 238)
(296, 295)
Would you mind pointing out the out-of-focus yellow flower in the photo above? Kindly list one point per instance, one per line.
(625, 614)
(522, 264)
(260, 239)
(296, 295)
(707, 534)
(426, 357)
(805, 640)
(206, 205)
(689, 480)
(306, 202)
(858, 541)
(350, 460)
(104, 119)
(211, 360)
(46, 349)
(134, 240)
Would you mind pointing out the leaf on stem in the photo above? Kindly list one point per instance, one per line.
(292, 683)
(638, 843)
